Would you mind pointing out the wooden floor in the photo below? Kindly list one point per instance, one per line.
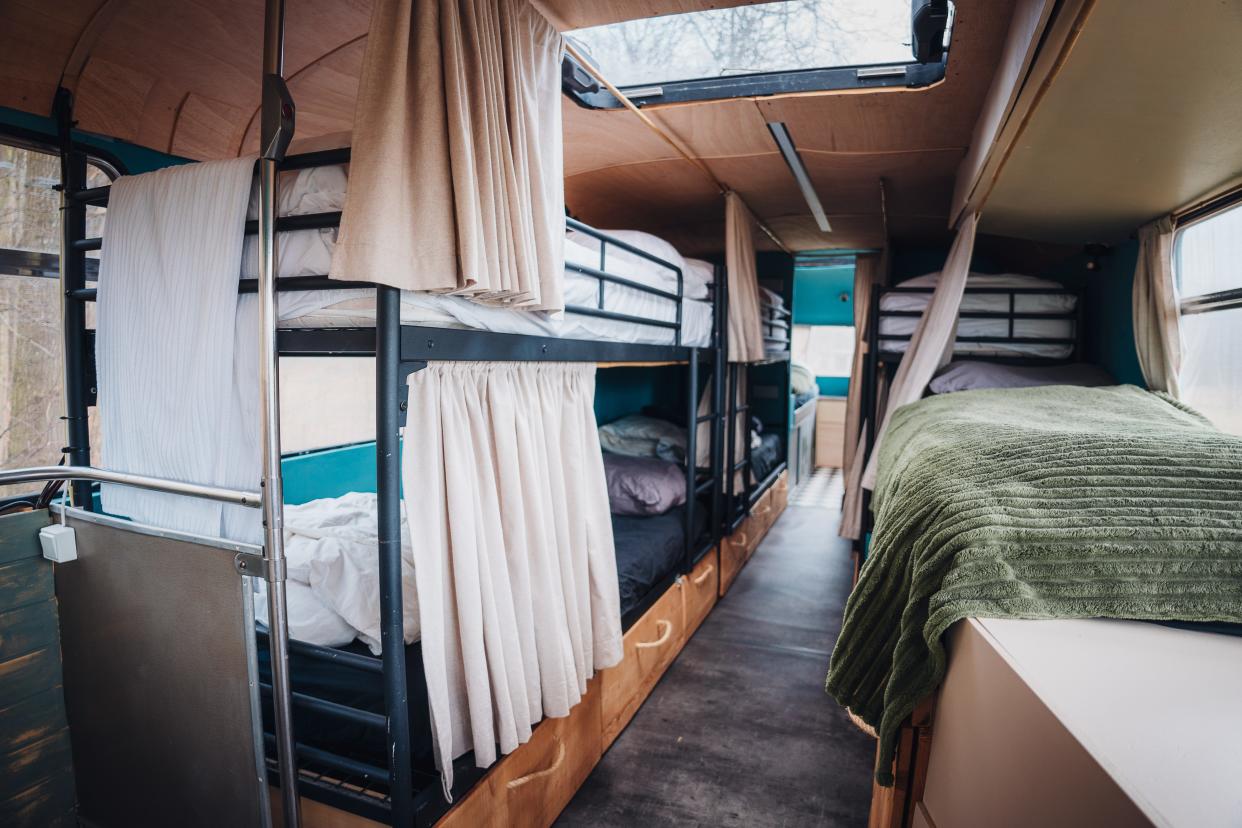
(739, 732)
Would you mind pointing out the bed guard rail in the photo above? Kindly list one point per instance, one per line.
(34, 474)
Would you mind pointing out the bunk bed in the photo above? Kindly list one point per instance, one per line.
(1008, 319)
(364, 738)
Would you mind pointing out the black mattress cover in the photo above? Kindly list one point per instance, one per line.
(766, 457)
(648, 550)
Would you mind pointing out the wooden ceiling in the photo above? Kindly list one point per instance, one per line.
(182, 77)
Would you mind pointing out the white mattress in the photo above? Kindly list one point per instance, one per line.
(1059, 302)
(309, 253)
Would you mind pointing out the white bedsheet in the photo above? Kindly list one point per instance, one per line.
(333, 572)
(994, 303)
(309, 253)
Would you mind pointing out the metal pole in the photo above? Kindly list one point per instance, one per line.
(692, 454)
(277, 128)
(388, 486)
(73, 313)
(156, 484)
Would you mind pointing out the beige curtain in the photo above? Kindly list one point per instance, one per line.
(456, 178)
(513, 557)
(745, 330)
(1157, 321)
(931, 346)
(868, 272)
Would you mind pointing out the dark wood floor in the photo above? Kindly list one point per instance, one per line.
(739, 732)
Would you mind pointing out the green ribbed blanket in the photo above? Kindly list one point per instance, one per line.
(1052, 502)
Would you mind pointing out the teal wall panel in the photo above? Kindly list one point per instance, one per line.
(1109, 321)
(818, 292)
(137, 159)
(833, 386)
(329, 473)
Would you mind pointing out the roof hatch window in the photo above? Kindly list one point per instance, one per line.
(752, 42)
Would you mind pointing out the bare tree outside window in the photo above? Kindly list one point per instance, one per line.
(31, 374)
(767, 37)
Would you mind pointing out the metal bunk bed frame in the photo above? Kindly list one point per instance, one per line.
(399, 350)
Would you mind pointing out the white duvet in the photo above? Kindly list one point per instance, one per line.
(333, 572)
(309, 253)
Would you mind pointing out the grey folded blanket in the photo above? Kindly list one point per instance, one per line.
(1051, 502)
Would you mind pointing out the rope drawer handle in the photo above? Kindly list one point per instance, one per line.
(742, 539)
(667, 626)
(707, 573)
(551, 769)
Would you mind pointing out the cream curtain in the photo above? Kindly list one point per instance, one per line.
(931, 346)
(868, 272)
(456, 177)
(513, 552)
(745, 330)
(1157, 321)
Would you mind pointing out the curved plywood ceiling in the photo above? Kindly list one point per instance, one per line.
(1143, 118)
(181, 76)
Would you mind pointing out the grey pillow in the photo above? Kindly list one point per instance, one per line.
(642, 486)
(968, 374)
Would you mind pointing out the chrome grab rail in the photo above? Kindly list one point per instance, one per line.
(35, 474)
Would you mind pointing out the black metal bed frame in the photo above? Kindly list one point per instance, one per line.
(876, 357)
(400, 350)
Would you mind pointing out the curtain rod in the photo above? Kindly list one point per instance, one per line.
(671, 139)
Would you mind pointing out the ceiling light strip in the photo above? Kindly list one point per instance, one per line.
(784, 141)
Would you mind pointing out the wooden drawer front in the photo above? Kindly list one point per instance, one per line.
(780, 495)
(733, 556)
(702, 586)
(538, 780)
(530, 787)
(760, 520)
(650, 646)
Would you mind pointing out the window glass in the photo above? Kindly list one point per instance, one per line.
(32, 432)
(1208, 259)
(1208, 254)
(828, 350)
(751, 39)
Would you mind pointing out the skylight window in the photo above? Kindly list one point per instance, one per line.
(747, 40)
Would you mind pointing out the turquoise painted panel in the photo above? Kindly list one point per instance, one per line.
(833, 386)
(819, 292)
(1109, 314)
(329, 473)
(137, 159)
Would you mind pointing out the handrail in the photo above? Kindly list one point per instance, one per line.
(34, 474)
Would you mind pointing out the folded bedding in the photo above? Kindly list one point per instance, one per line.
(309, 253)
(636, 435)
(1057, 300)
(1046, 502)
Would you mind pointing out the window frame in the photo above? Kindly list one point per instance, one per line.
(1217, 300)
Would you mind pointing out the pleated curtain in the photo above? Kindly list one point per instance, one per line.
(1157, 319)
(745, 329)
(931, 345)
(456, 174)
(513, 555)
